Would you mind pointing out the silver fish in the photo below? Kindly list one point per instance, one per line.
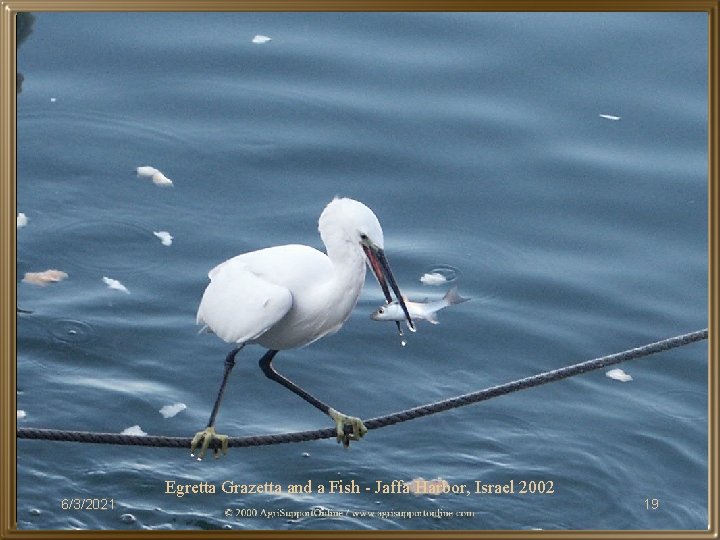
(418, 310)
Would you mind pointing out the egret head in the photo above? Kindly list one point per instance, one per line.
(346, 221)
(350, 221)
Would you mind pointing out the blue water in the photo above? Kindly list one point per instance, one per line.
(477, 141)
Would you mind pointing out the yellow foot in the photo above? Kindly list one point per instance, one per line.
(206, 436)
(358, 428)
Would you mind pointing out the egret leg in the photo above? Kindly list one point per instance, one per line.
(356, 427)
(208, 434)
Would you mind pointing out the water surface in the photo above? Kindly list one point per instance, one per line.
(476, 139)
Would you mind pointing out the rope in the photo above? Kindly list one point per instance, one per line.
(380, 421)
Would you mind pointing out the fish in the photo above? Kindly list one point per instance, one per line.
(609, 116)
(418, 310)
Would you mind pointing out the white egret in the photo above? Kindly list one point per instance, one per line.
(288, 296)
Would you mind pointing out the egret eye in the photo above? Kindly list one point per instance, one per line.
(363, 236)
(381, 310)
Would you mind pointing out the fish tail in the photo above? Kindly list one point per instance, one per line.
(453, 297)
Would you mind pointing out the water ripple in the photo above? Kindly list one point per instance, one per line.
(107, 245)
(450, 273)
(683, 405)
(71, 331)
(110, 125)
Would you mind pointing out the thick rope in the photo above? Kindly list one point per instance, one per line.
(380, 421)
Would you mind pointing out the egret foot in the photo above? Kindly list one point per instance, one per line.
(206, 436)
(358, 428)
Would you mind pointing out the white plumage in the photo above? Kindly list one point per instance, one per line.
(289, 296)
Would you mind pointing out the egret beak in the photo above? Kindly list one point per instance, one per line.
(383, 274)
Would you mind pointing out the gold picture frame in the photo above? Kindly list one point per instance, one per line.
(8, 197)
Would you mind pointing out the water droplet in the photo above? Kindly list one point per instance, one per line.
(71, 331)
(403, 342)
(128, 518)
(305, 454)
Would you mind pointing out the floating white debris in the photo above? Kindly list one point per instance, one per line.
(168, 411)
(261, 39)
(609, 117)
(21, 414)
(43, 278)
(133, 430)
(420, 486)
(115, 284)
(165, 237)
(52, 100)
(433, 278)
(22, 220)
(158, 177)
(619, 375)
(146, 170)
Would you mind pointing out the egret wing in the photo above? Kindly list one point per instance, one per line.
(240, 306)
(293, 266)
